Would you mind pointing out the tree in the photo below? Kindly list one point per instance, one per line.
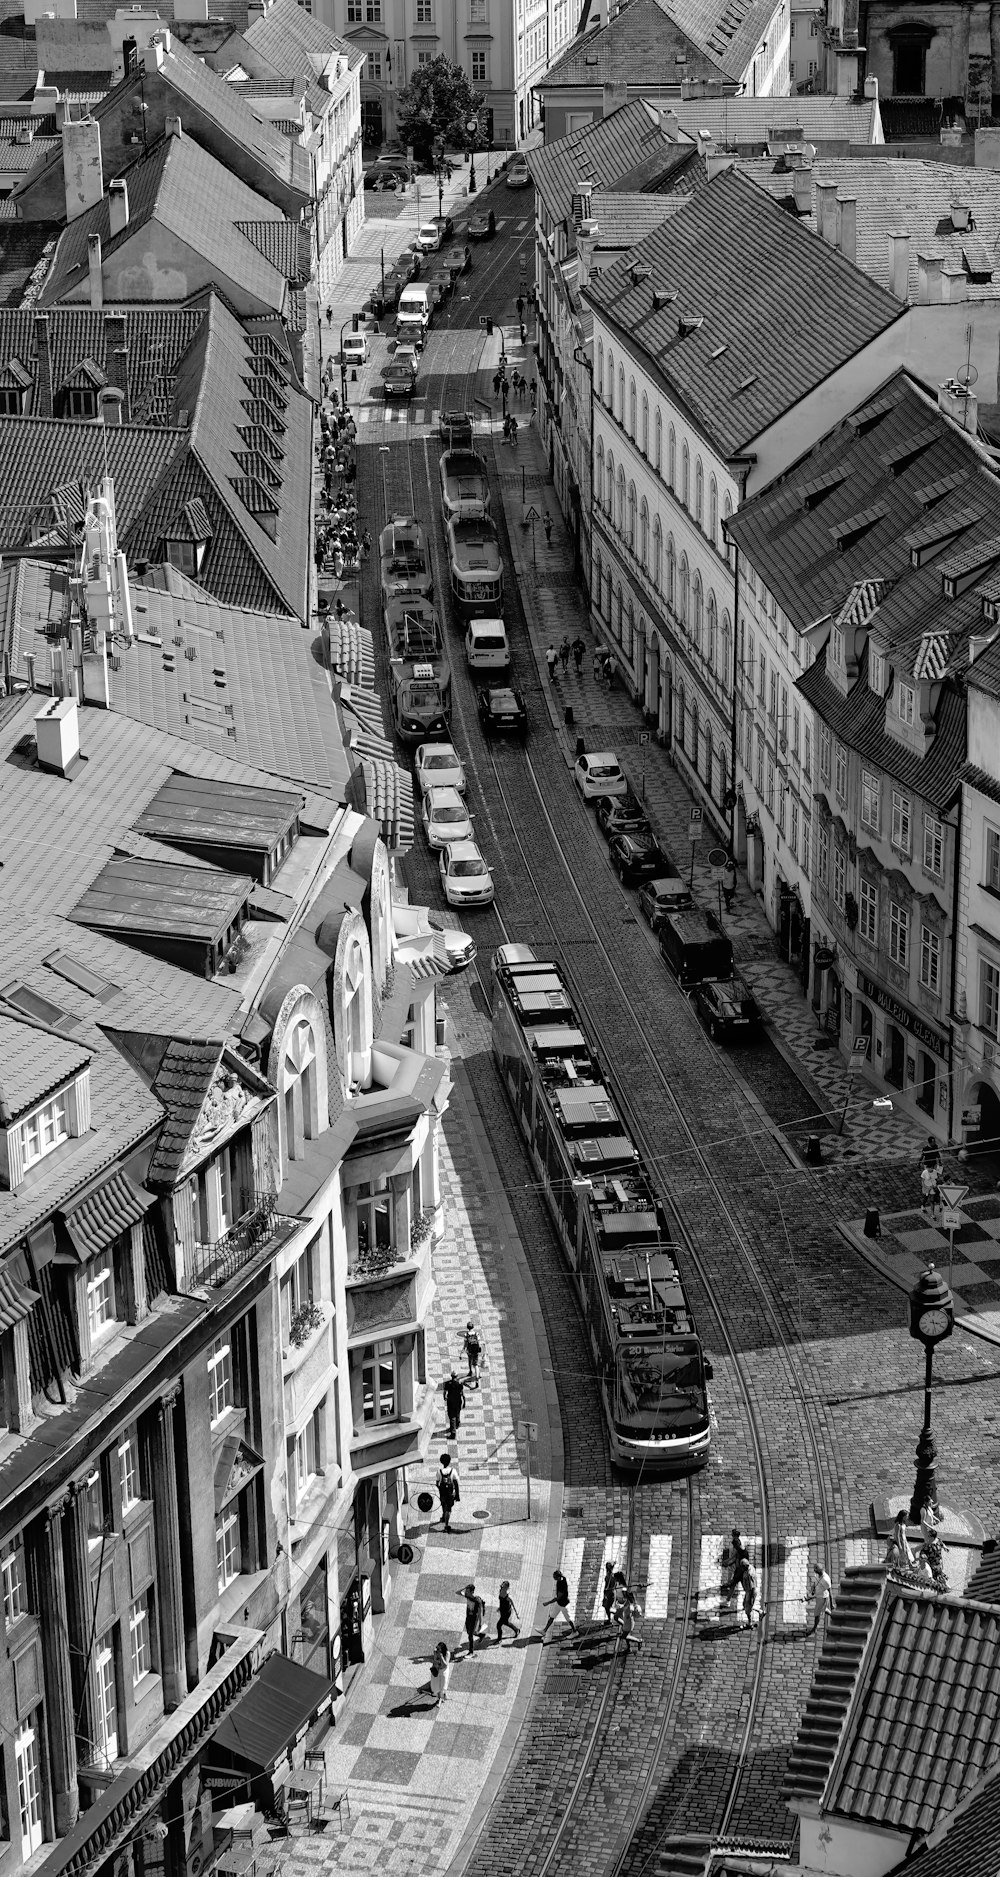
(435, 107)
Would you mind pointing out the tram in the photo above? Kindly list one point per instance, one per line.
(609, 1217)
(404, 560)
(475, 567)
(419, 670)
(465, 487)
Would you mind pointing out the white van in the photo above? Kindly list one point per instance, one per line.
(413, 314)
(487, 647)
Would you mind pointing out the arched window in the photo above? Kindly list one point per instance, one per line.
(723, 777)
(620, 515)
(644, 534)
(631, 516)
(713, 512)
(712, 612)
(698, 607)
(609, 502)
(621, 395)
(699, 493)
(672, 457)
(618, 612)
(606, 608)
(610, 400)
(657, 554)
(684, 597)
(631, 408)
(686, 476)
(628, 632)
(298, 1083)
(681, 714)
(658, 442)
(599, 469)
(727, 509)
(709, 756)
(695, 735)
(645, 425)
(671, 573)
(597, 582)
(727, 651)
(599, 374)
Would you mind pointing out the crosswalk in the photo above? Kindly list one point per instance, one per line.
(783, 1575)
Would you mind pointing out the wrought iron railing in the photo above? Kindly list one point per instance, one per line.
(216, 1263)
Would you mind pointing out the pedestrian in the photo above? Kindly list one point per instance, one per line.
(505, 386)
(534, 396)
(329, 315)
(524, 333)
(598, 664)
(729, 883)
(475, 1614)
(547, 525)
(440, 1673)
(551, 659)
(822, 1597)
(507, 1610)
(560, 1605)
(608, 1593)
(520, 306)
(454, 1401)
(564, 651)
(899, 1555)
(930, 1197)
(513, 432)
(497, 382)
(506, 428)
(578, 650)
(515, 379)
(748, 1581)
(625, 1614)
(449, 1491)
(609, 670)
(738, 1556)
(473, 1351)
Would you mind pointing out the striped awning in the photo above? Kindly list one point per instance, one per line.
(97, 1219)
(16, 1294)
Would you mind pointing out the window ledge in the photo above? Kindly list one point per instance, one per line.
(294, 1355)
(239, 1592)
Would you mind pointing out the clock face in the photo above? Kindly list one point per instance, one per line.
(933, 1324)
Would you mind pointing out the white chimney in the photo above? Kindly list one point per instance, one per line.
(802, 184)
(847, 227)
(670, 125)
(83, 173)
(717, 162)
(978, 641)
(586, 242)
(57, 735)
(94, 271)
(871, 89)
(706, 142)
(155, 52)
(173, 127)
(899, 262)
(960, 404)
(110, 406)
(929, 290)
(954, 283)
(585, 191)
(826, 211)
(960, 213)
(118, 204)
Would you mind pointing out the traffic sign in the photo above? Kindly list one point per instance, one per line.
(953, 1195)
(527, 1430)
(860, 1048)
(484, 320)
(950, 1219)
(642, 737)
(695, 824)
(531, 514)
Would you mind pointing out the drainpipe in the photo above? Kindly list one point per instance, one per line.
(737, 666)
(957, 869)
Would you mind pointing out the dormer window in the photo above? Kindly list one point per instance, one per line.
(44, 1129)
(876, 672)
(11, 401)
(100, 1299)
(906, 703)
(81, 401)
(837, 647)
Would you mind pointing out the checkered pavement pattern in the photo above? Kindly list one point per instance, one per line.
(912, 1240)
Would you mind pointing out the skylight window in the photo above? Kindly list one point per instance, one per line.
(32, 1004)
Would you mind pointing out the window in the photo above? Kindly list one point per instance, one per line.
(793, 837)
(713, 512)
(373, 12)
(100, 1300)
(378, 1381)
(139, 1639)
(645, 425)
(713, 631)
(128, 1473)
(686, 476)
(899, 931)
(759, 772)
(805, 844)
(993, 859)
(631, 516)
(374, 58)
(621, 395)
(783, 718)
(15, 1583)
(644, 535)
(839, 876)
(906, 703)
(658, 444)
(782, 802)
(657, 554)
(930, 960)
(479, 66)
(841, 782)
(773, 707)
(751, 661)
(227, 1548)
(305, 1457)
(354, 14)
(836, 647)
(425, 58)
(869, 800)
(698, 608)
(107, 1700)
(868, 921)
(631, 408)
(876, 672)
(933, 846)
(672, 457)
(762, 678)
(374, 1216)
(11, 402)
(94, 1501)
(299, 1288)
(727, 509)
(824, 754)
(29, 1787)
(81, 403)
(901, 821)
(685, 591)
(44, 1130)
(599, 378)
(699, 494)
(221, 1396)
(425, 10)
(807, 752)
(671, 572)
(770, 787)
(989, 996)
(748, 721)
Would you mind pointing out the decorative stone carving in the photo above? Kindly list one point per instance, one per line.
(226, 1102)
(390, 1303)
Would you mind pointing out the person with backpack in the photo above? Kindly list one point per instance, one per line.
(559, 1605)
(448, 1488)
(507, 1611)
(454, 1401)
(475, 1614)
(473, 1353)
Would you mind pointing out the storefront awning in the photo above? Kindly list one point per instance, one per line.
(279, 1705)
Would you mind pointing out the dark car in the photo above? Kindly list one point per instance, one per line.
(502, 712)
(387, 170)
(455, 429)
(481, 229)
(384, 298)
(458, 260)
(636, 857)
(728, 1009)
(621, 814)
(446, 225)
(657, 897)
(399, 381)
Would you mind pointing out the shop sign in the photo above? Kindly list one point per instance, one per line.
(972, 1117)
(906, 1018)
(823, 958)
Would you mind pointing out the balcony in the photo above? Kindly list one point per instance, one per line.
(389, 1289)
(259, 1228)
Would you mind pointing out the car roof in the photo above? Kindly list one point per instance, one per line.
(502, 694)
(427, 749)
(600, 756)
(464, 850)
(445, 796)
(665, 883)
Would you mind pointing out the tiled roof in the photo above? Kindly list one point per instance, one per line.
(284, 244)
(911, 197)
(95, 1219)
(751, 123)
(603, 153)
(33, 1061)
(728, 31)
(156, 338)
(640, 46)
(235, 117)
(624, 220)
(24, 248)
(858, 720)
(287, 35)
(39, 457)
(709, 255)
(82, 87)
(984, 1584)
(181, 1083)
(16, 157)
(351, 651)
(965, 1843)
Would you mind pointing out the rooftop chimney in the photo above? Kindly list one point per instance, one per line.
(173, 127)
(847, 227)
(670, 125)
(586, 242)
(118, 204)
(156, 51)
(94, 269)
(717, 162)
(929, 290)
(42, 406)
(826, 211)
(960, 404)
(585, 191)
(802, 184)
(706, 142)
(116, 367)
(109, 406)
(871, 89)
(960, 212)
(614, 97)
(954, 283)
(83, 171)
(57, 735)
(899, 262)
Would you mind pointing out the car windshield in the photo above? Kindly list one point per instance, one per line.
(449, 815)
(424, 697)
(445, 759)
(659, 1380)
(468, 869)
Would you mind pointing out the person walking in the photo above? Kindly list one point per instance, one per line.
(899, 1555)
(547, 525)
(738, 1556)
(454, 1401)
(513, 432)
(931, 1169)
(608, 1593)
(440, 1673)
(507, 1610)
(748, 1580)
(625, 1615)
(508, 420)
(560, 1605)
(497, 382)
(821, 1591)
(598, 664)
(729, 883)
(475, 1614)
(534, 396)
(551, 659)
(473, 1353)
(564, 650)
(449, 1491)
(609, 671)
(578, 650)
(520, 306)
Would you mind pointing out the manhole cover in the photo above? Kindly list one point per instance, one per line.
(480, 1515)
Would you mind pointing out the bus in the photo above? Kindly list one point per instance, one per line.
(609, 1218)
(419, 670)
(475, 567)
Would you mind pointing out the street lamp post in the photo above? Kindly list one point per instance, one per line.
(932, 1319)
(472, 127)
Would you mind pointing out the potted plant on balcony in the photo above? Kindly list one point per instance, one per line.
(420, 1230)
(304, 1322)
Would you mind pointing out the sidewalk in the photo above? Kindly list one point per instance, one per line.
(911, 1240)
(421, 1779)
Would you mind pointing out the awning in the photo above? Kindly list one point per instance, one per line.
(97, 1219)
(16, 1294)
(276, 1709)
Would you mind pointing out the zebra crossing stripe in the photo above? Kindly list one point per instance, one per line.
(614, 1553)
(654, 1602)
(710, 1578)
(794, 1610)
(572, 1565)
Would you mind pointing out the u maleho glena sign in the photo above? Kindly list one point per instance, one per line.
(907, 1019)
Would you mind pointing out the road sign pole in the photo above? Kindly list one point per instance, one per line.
(528, 1452)
(952, 1197)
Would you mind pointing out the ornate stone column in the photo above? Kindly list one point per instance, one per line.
(170, 1599)
(54, 1622)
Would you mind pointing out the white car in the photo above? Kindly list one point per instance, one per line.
(518, 174)
(407, 355)
(439, 766)
(599, 774)
(446, 818)
(466, 878)
(356, 348)
(430, 237)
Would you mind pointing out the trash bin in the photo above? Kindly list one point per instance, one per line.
(568, 718)
(813, 1153)
(581, 747)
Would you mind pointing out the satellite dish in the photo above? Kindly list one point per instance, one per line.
(966, 377)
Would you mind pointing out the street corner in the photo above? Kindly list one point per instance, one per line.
(900, 1245)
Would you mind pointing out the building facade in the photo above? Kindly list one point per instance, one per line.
(977, 933)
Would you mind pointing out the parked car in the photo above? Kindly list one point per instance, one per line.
(429, 237)
(458, 259)
(518, 174)
(445, 817)
(695, 948)
(461, 949)
(407, 354)
(621, 814)
(440, 283)
(599, 774)
(398, 381)
(387, 170)
(466, 878)
(383, 298)
(357, 350)
(659, 897)
(502, 711)
(481, 228)
(728, 1009)
(438, 765)
(636, 857)
(446, 225)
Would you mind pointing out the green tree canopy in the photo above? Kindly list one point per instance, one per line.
(435, 107)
